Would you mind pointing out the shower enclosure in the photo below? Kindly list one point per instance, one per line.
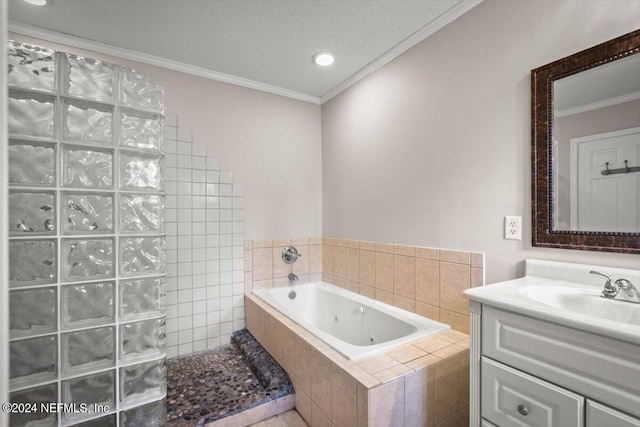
(87, 245)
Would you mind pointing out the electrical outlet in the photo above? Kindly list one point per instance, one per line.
(513, 227)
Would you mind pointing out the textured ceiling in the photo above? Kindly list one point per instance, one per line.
(268, 41)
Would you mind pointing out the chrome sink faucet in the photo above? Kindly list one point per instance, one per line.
(621, 289)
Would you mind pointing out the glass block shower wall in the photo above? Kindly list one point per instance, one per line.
(87, 245)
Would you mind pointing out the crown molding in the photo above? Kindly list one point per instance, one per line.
(132, 55)
(598, 104)
(449, 16)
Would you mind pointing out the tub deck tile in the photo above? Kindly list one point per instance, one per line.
(448, 351)
(453, 336)
(391, 374)
(363, 377)
(406, 353)
(432, 343)
(377, 363)
(423, 362)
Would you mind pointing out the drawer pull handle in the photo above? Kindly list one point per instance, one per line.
(523, 410)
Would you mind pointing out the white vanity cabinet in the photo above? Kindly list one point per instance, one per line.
(532, 372)
(599, 415)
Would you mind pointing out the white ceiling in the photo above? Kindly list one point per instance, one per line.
(266, 44)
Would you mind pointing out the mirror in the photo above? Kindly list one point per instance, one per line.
(586, 149)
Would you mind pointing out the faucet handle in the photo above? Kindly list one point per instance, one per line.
(631, 293)
(624, 284)
(290, 254)
(597, 273)
(610, 290)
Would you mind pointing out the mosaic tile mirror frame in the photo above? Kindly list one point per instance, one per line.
(87, 242)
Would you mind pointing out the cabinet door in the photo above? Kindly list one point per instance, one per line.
(600, 368)
(512, 398)
(599, 415)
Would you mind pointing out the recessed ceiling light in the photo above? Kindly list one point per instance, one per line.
(39, 2)
(323, 58)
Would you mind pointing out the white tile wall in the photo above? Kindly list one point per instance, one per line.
(205, 246)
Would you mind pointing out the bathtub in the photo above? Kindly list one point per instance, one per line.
(352, 324)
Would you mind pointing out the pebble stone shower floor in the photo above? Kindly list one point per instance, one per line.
(208, 386)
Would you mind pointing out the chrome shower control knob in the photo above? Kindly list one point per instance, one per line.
(523, 410)
(290, 254)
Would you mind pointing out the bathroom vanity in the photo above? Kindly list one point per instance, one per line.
(548, 350)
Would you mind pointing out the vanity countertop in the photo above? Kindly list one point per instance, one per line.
(567, 294)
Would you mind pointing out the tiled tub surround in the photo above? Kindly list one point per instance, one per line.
(426, 281)
(423, 383)
(86, 249)
(205, 247)
(264, 267)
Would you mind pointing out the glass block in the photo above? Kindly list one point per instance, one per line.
(31, 115)
(87, 304)
(92, 390)
(108, 421)
(32, 262)
(142, 339)
(150, 415)
(143, 381)
(87, 259)
(85, 167)
(141, 213)
(141, 171)
(41, 394)
(142, 131)
(142, 255)
(31, 67)
(88, 350)
(32, 164)
(142, 297)
(139, 90)
(88, 123)
(87, 213)
(32, 312)
(32, 212)
(89, 78)
(33, 361)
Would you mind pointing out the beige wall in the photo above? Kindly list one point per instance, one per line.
(433, 149)
(270, 143)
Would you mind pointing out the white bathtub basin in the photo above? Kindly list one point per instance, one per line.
(352, 324)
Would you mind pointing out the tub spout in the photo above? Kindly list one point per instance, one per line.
(293, 276)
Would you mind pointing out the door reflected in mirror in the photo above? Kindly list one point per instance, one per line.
(596, 149)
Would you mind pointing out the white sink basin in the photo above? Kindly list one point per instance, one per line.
(586, 301)
(566, 294)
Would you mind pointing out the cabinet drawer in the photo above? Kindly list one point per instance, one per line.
(485, 423)
(599, 415)
(598, 367)
(513, 398)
